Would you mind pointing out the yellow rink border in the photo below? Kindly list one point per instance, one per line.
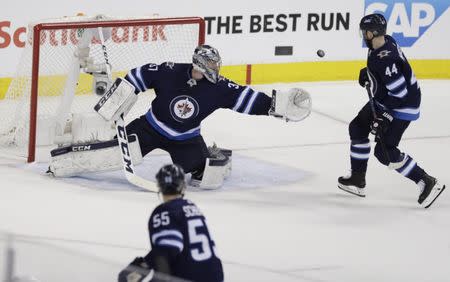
(325, 71)
(284, 72)
(4, 83)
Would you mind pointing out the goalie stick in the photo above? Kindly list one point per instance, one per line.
(122, 136)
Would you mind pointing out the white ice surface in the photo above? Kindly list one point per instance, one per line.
(280, 217)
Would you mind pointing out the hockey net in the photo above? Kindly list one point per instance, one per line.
(54, 81)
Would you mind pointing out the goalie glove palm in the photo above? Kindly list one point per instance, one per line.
(292, 105)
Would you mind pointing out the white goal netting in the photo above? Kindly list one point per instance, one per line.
(66, 77)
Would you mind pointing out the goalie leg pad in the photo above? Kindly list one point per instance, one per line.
(89, 128)
(95, 157)
(217, 169)
(118, 100)
(85, 128)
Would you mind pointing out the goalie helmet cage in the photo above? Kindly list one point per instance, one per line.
(42, 78)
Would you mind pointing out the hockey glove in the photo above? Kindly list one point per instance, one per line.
(117, 101)
(136, 271)
(291, 105)
(363, 77)
(381, 124)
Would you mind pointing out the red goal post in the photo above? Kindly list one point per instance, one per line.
(177, 39)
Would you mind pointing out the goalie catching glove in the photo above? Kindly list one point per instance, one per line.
(118, 100)
(292, 105)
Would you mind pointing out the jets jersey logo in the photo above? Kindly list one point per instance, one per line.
(383, 53)
(183, 108)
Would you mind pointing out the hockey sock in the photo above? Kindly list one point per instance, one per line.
(411, 170)
(359, 154)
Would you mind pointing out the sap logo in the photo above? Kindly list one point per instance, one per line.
(407, 20)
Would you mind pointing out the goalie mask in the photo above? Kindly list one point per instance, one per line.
(170, 179)
(206, 59)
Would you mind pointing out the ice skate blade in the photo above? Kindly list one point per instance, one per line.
(434, 194)
(353, 190)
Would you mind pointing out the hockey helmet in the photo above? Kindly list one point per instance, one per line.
(376, 24)
(170, 180)
(206, 59)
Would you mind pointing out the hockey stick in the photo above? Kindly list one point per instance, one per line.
(122, 137)
(375, 117)
(128, 166)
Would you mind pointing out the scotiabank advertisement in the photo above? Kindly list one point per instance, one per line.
(255, 32)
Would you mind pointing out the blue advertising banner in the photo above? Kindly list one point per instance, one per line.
(408, 20)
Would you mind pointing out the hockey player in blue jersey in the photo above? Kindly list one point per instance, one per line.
(181, 245)
(185, 95)
(397, 102)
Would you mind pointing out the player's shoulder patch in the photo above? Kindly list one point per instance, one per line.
(389, 52)
(169, 65)
(384, 54)
(222, 78)
(383, 57)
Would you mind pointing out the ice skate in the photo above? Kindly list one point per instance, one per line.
(353, 183)
(432, 189)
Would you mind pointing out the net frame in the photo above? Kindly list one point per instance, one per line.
(41, 27)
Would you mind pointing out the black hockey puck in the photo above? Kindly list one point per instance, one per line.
(320, 53)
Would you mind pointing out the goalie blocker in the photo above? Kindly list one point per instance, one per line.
(118, 100)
